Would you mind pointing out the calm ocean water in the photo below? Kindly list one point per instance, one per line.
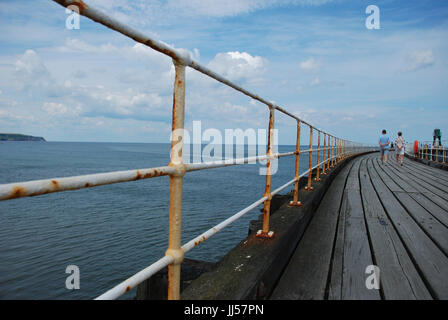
(111, 232)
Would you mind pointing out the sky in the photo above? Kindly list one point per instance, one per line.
(314, 58)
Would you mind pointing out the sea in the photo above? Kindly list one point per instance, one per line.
(111, 232)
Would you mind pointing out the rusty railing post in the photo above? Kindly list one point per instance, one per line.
(333, 152)
(329, 153)
(176, 181)
(265, 233)
(341, 151)
(324, 160)
(437, 154)
(443, 153)
(295, 201)
(318, 157)
(338, 150)
(310, 161)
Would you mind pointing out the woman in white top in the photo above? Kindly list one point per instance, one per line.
(399, 147)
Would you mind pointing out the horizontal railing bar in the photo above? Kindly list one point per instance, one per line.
(209, 233)
(284, 186)
(45, 186)
(39, 187)
(136, 279)
(232, 162)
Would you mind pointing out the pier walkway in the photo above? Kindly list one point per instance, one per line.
(390, 216)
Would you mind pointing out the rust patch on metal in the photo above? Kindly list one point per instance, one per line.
(155, 173)
(55, 184)
(128, 288)
(138, 176)
(199, 241)
(87, 185)
(80, 4)
(18, 192)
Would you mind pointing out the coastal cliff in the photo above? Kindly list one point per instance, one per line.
(18, 137)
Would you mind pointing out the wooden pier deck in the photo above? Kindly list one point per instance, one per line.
(394, 217)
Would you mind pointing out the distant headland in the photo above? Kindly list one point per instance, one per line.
(18, 137)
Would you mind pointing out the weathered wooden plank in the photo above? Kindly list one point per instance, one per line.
(305, 277)
(433, 228)
(432, 179)
(398, 277)
(441, 192)
(429, 173)
(398, 178)
(439, 213)
(393, 186)
(428, 191)
(428, 258)
(423, 167)
(356, 248)
(337, 267)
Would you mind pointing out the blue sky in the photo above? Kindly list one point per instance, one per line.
(314, 58)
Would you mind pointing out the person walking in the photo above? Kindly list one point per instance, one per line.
(399, 145)
(384, 143)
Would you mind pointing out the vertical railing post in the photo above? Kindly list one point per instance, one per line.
(324, 160)
(341, 153)
(295, 201)
(176, 181)
(265, 233)
(329, 153)
(437, 154)
(337, 151)
(443, 153)
(340, 150)
(318, 157)
(310, 161)
(333, 151)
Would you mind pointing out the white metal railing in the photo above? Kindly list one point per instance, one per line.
(332, 150)
(428, 150)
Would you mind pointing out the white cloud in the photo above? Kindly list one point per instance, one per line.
(421, 60)
(238, 65)
(315, 82)
(32, 76)
(310, 65)
(60, 109)
(30, 65)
